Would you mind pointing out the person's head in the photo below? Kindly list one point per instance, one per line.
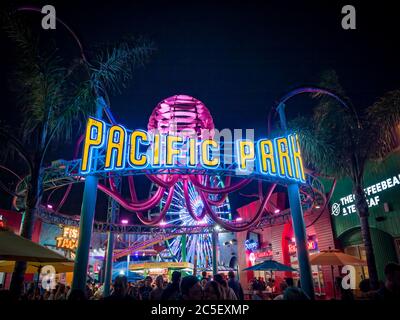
(392, 275)
(212, 291)
(231, 275)
(364, 285)
(160, 281)
(204, 274)
(120, 285)
(289, 282)
(282, 286)
(220, 279)
(147, 281)
(176, 277)
(191, 288)
(61, 288)
(77, 295)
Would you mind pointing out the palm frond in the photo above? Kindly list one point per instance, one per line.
(39, 79)
(384, 119)
(317, 151)
(113, 66)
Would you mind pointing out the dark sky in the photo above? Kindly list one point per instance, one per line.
(238, 57)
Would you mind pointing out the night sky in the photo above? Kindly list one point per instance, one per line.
(238, 57)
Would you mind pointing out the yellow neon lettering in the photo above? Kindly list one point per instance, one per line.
(245, 156)
(90, 141)
(267, 157)
(116, 141)
(133, 159)
(171, 151)
(214, 161)
(284, 157)
(192, 152)
(297, 160)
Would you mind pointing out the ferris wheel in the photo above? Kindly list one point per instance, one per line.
(198, 246)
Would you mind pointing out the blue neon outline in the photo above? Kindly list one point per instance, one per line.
(258, 159)
(91, 147)
(114, 151)
(179, 155)
(217, 149)
(145, 143)
(237, 153)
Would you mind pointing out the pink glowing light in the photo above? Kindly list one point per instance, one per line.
(49, 206)
(163, 223)
(124, 221)
(181, 114)
(277, 211)
(238, 219)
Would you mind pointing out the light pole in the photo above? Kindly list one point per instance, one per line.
(214, 236)
(294, 196)
(86, 221)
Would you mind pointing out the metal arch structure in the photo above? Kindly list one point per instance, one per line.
(66, 173)
(91, 185)
(185, 109)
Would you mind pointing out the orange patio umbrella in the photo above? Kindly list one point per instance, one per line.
(334, 257)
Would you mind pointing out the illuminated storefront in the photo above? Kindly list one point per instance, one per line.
(161, 268)
(382, 189)
(277, 243)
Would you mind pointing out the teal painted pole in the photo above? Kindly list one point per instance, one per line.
(299, 228)
(214, 252)
(306, 280)
(109, 262)
(183, 247)
(86, 222)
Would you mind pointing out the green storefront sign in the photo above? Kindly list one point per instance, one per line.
(382, 189)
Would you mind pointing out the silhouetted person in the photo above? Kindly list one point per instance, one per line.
(213, 291)
(120, 291)
(228, 293)
(77, 295)
(158, 290)
(191, 288)
(391, 289)
(293, 293)
(235, 285)
(172, 292)
(144, 292)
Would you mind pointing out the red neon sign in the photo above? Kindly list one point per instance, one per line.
(311, 245)
(263, 254)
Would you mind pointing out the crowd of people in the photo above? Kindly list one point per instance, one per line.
(217, 287)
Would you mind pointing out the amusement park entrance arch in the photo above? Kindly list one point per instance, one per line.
(110, 151)
(211, 194)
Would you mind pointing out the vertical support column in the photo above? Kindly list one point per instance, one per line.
(214, 252)
(183, 247)
(298, 225)
(112, 217)
(299, 229)
(86, 222)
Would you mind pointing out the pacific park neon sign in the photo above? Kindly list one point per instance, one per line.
(121, 149)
